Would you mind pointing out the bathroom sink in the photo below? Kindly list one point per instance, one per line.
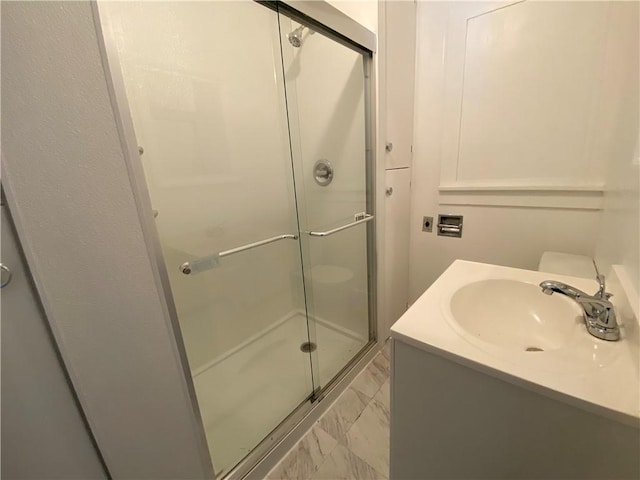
(497, 320)
(514, 315)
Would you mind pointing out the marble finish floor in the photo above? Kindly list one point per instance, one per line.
(351, 440)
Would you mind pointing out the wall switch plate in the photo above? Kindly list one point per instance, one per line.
(427, 224)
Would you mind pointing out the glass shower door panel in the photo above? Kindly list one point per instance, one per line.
(205, 88)
(326, 99)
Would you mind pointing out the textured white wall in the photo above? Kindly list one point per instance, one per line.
(69, 190)
(501, 235)
(43, 432)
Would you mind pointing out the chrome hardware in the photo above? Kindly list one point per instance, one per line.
(450, 225)
(389, 191)
(598, 312)
(206, 263)
(7, 278)
(360, 218)
(388, 147)
(602, 290)
(323, 172)
(140, 150)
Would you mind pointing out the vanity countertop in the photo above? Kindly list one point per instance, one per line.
(596, 375)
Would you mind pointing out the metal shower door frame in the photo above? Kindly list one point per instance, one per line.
(341, 28)
(324, 18)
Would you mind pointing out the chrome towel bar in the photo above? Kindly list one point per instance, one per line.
(360, 218)
(206, 263)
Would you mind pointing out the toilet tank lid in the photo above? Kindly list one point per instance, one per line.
(567, 264)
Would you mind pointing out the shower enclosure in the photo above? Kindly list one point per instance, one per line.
(254, 131)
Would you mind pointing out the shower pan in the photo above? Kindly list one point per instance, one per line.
(271, 271)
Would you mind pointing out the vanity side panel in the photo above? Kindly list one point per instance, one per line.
(449, 421)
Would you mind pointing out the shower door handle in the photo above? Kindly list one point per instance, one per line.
(206, 263)
(360, 218)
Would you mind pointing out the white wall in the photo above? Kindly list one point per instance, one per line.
(365, 12)
(44, 434)
(69, 189)
(619, 230)
(515, 207)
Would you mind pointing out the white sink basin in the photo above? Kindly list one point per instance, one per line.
(515, 315)
(496, 320)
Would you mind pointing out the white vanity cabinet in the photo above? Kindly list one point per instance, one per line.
(453, 421)
(492, 381)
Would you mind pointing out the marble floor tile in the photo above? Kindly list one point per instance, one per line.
(381, 363)
(386, 350)
(351, 440)
(384, 394)
(305, 458)
(342, 464)
(368, 438)
(339, 418)
(369, 381)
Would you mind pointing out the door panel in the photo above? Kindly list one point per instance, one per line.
(400, 74)
(326, 85)
(204, 83)
(396, 241)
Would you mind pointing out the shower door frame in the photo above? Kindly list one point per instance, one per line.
(339, 27)
(327, 20)
(317, 8)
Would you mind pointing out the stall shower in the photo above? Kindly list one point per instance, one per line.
(257, 157)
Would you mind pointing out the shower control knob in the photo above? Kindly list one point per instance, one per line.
(388, 146)
(323, 172)
(185, 268)
(389, 191)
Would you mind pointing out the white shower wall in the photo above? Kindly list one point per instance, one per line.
(216, 154)
(216, 158)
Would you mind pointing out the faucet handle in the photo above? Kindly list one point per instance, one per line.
(602, 291)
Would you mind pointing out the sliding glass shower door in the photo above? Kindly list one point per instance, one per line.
(326, 84)
(252, 132)
(204, 84)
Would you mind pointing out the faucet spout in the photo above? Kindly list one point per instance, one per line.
(598, 311)
(551, 286)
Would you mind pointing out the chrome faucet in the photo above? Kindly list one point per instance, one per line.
(598, 312)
